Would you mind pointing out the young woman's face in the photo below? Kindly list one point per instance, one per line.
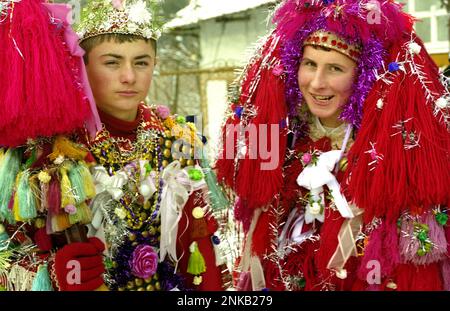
(120, 75)
(325, 79)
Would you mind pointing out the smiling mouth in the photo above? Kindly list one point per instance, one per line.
(322, 98)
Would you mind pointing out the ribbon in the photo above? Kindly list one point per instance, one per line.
(250, 263)
(314, 177)
(292, 232)
(177, 187)
(346, 240)
(112, 184)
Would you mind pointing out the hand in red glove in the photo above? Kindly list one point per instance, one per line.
(79, 266)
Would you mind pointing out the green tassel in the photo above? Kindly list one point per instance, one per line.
(4, 237)
(31, 159)
(218, 199)
(196, 264)
(76, 180)
(83, 215)
(9, 168)
(41, 281)
(27, 203)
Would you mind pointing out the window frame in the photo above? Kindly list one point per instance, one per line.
(434, 46)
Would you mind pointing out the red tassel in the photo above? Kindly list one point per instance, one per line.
(261, 236)
(445, 268)
(54, 196)
(328, 239)
(271, 275)
(43, 240)
(402, 178)
(418, 278)
(255, 186)
(39, 77)
(300, 262)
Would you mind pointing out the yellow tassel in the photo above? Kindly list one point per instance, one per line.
(16, 208)
(83, 215)
(88, 183)
(60, 222)
(66, 188)
(64, 147)
(16, 211)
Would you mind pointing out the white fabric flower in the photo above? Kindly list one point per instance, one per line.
(315, 209)
(442, 103)
(139, 14)
(132, 27)
(313, 212)
(147, 33)
(414, 48)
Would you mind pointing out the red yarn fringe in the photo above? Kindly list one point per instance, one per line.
(402, 178)
(254, 185)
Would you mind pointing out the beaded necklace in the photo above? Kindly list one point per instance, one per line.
(116, 152)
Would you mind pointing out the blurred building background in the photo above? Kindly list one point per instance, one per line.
(202, 47)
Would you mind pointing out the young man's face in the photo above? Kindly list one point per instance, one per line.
(120, 75)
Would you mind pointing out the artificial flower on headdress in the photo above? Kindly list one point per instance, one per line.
(132, 17)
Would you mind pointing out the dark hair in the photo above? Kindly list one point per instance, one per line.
(323, 48)
(90, 43)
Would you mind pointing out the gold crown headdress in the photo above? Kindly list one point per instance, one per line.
(332, 41)
(129, 17)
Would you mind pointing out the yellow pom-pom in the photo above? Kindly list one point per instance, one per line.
(198, 212)
(44, 177)
(39, 223)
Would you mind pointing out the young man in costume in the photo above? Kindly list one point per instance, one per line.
(359, 198)
(151, 208)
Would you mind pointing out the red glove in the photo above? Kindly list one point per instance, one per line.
(87, 256)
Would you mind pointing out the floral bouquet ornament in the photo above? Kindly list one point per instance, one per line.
(128, 17)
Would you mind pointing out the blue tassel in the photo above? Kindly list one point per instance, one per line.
(41, 281)
(9, 168)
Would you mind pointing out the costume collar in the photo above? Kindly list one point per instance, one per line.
(336, 135)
